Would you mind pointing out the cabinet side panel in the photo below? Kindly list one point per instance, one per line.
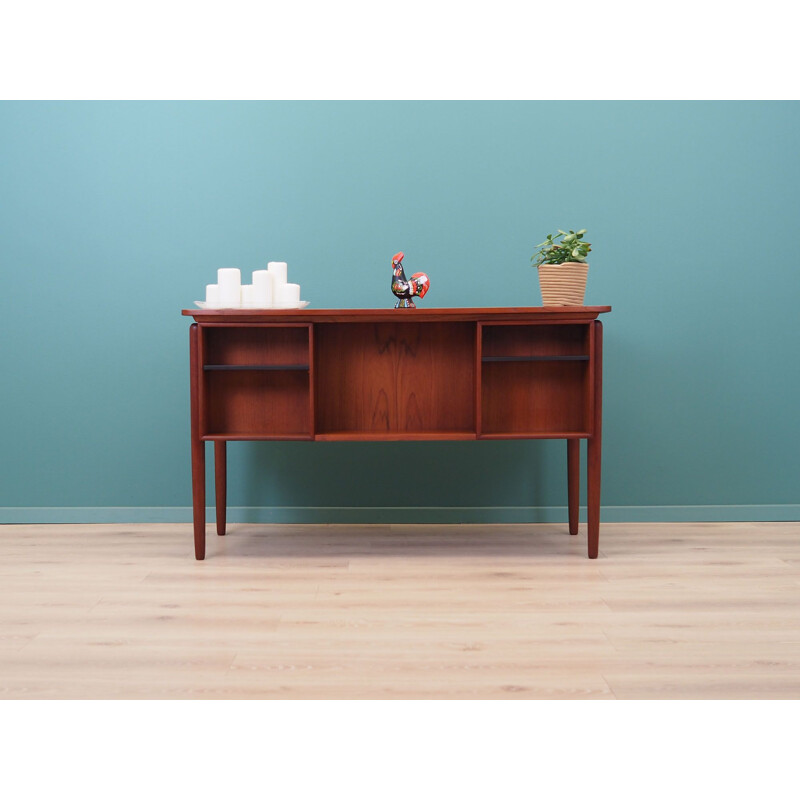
(395, 377)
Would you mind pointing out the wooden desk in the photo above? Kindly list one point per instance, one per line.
(394, 375)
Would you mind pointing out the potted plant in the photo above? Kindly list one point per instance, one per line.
(561, 260)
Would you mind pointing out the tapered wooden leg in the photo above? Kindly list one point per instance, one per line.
(593, 494)
(593, 446)
(198, 448)
(573, 482)
(220, 479)
(199, 497)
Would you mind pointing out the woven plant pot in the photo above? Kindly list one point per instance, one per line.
(563, 284)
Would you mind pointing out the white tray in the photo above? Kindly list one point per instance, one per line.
(302, 304)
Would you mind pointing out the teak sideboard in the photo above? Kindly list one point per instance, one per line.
(397, 375)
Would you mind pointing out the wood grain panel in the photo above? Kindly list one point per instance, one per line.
(395, 377)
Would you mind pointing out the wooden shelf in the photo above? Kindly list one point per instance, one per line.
(277, 367)
(536, 435)
(487, 359)
(256, 437)
(395, 436)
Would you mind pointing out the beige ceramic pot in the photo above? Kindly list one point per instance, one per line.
(563, 284)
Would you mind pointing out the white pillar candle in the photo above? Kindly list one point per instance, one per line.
(230, 288)
(287, 295)
(262, 288)
(248, 296)
(278, 270)
(212, 295)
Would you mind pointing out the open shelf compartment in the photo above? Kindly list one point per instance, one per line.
(257, 382)
(535, 342)
(257, 347)
(534, 381)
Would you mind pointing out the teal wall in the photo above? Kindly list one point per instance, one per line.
(113, 217)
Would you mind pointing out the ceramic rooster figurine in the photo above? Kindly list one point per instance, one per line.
(405, 289)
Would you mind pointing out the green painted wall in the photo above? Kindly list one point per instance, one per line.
(113, 217)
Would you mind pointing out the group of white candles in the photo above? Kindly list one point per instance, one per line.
(269, 289)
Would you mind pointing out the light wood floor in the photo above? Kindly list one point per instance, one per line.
(504, 611)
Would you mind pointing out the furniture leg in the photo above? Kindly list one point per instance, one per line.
(594, 446)
(220, 478)
(198, 449)
(199, 497)
(573, 482)
(593, 495)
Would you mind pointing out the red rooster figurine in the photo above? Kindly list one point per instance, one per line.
(405, 289)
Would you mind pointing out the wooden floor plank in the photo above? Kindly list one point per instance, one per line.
(691, 610)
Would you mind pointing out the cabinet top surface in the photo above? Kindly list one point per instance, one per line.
(275, 315)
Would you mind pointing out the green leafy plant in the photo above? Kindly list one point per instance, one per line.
(561, 247)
